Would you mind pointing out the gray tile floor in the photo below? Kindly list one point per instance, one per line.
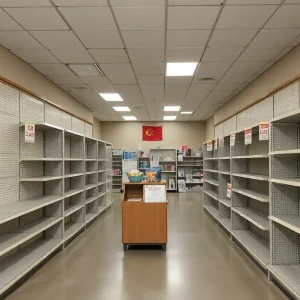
(200, 263)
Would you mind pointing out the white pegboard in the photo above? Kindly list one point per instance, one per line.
(286, 100)
(230, 126)
(66, 120)
(219, 130)
(9, 100)
(262, 111)
(88, 130)
(52, 115)
(243, 120)
(77, 125)
(31, 109)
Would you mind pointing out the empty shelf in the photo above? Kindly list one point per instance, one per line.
(71, 208)
(72, 192)
(212, 181)
(226, 202)
(90, 217)
(212, 194)
(90, 159)
(102, 171)
(212, 158)
(16, 209)
(285, 152)
(44, 127)
(289, 221)
(90, 172)
(71, 229)
(251, 156)
(211, 170)
(255, 244)
(189, 166)
(212, 210)
(101, 194)
(73, 175)
(253, 194)
(101, 183)
(20, 235)
(289, 276)
(225, 172)
(252, 176)
(90, 199)
(90, 186)
(287, 181)
(224, 157)
(41, 178)
(101, 209)
(40, 159)
(24, 260)
(168, 171)
(73, 159)
(255, 216)
(226, 222)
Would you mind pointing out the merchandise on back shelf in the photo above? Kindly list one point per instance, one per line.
(172, 185)
(181, 185)
(184, 149)
(189, 178)
(199, 162)
(197, 172)
(180, 172)
(180, 157)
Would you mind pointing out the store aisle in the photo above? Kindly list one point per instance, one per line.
(201, 263)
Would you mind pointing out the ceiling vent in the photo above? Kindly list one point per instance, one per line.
(206, 79)
(86, 70)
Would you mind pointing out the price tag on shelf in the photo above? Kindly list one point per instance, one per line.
(221, 142)
(232, 139)
(209, 146)
(264, 131)
(248, 136)
(216, 144)
(229, 189)
(29, 133)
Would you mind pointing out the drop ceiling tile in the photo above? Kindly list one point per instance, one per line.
(224, 85)
(199, 92)
(232, 38)
(287, 16)
(52, 69)
(18, 40)
(192, 104)
(80, 3)
(147, 55)
(275, 37)
(100, 39)
(253, 2)
(212, 70)
(57, 39)
(195, 2)
(152, 92)
(184, 54)
(236, 77)
(144, 39)
(24, 3)
(222, 54)
(247, 67)
(180, 80)
(175, 92)
(38, 18)
(187, 38)
(252, 54)
(217, 96)
(267, 66)
(243, 17)
(142, 18)
(292, 2)
(131, 94)
(76, 56)
(36, 56)
(192, 17)
(151, 79)
(7, 23)
(99, 84)
(149, 69)
(109, 55)
(94, 18)
(137, 2)
(65, 79)
(119, 73)
(285, 51)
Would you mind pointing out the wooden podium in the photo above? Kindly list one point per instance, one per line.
(143, 223)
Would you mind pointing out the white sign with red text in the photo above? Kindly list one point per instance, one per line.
(232, 139)
(154, 193)
(264, 131)
(216, 144)
(248, 136)
(209, 146)
(29, 133)
(229, 190)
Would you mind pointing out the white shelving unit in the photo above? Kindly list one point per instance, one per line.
(162, 154)
(60, 193)
(117, 162)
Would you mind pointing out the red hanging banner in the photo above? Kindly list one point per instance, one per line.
(152, 133)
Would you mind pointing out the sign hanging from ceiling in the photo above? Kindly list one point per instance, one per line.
(152, 133)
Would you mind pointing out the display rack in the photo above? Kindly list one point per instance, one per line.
(284, 194)
(167, 159)
(117, 157)
(143, 163)
(190, 172)
(60, 193)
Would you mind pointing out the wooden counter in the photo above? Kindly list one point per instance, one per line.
(143, 223)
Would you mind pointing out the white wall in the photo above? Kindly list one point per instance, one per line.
(129, 134)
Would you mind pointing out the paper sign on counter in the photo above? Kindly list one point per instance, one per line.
(155, 193)
(29, 133)
(264, 131)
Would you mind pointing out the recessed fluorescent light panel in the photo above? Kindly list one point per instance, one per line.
(186, 112)
(111, 96)
(169, 118)
(129, 118)
(121, 108)
(172, 108)
(181, 69)
(86, 70)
